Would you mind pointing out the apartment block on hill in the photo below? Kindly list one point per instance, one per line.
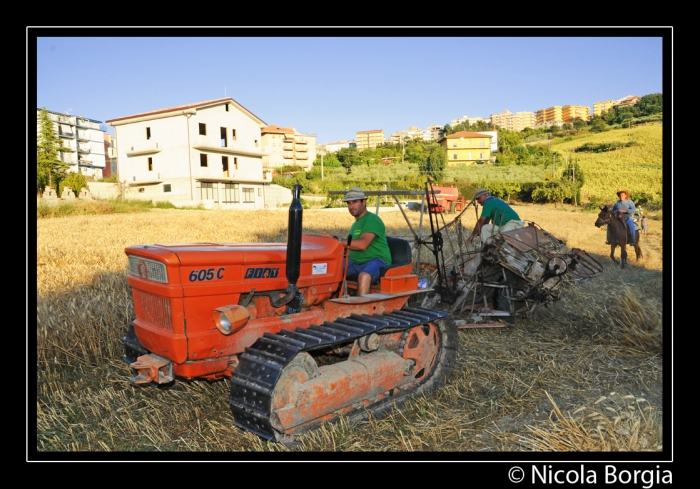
(513, 122)
(207, 153)
(603, 106)
(466, 147)
(333, 147)
(283, 146)
(84, 140)
(369, 139)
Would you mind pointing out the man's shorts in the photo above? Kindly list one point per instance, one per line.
(372, 267)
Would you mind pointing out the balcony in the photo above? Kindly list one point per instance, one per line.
(87, 124)
(301, 141)
(147, 147)
(288, 156)
(83, 136)
(65, 134)
(112, 152)
(213, 145)
(302, 149)
(288, 147)
(302, 157)
(82, 149)
(85, 162)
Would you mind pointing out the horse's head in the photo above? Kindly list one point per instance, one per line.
(603, 216)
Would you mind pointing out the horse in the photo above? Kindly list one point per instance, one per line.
(617, 232)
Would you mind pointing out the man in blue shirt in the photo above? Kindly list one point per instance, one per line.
(496, 216)
(626, 206)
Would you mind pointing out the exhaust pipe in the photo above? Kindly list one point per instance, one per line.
(293, 255)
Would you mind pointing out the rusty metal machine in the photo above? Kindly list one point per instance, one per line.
(273, 319)
(507, 277)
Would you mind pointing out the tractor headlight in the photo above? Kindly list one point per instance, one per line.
(229, 319)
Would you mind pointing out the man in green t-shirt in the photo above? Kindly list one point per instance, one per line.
(368, 250)
(496, 216)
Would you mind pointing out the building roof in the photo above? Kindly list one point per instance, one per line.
(373, 130)
(272, 129)
(467, 134)
(189, 106)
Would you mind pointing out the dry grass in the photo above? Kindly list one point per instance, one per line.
(604, 336)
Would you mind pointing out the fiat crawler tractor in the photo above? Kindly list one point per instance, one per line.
(281, 322)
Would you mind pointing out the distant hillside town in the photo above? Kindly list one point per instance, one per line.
(218, 151)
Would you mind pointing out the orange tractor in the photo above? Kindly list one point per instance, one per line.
(281, 322)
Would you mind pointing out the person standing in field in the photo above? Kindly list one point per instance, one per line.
(644, 224)
(496, 216)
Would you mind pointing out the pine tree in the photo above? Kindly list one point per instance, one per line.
(49, 167)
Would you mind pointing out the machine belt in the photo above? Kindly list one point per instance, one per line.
(261, 364)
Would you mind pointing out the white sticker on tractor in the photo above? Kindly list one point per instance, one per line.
(319, 268)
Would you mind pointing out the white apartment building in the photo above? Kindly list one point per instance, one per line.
(85, 141)
(206, 153)
(470, 120)
(333, 147)
(283, 146)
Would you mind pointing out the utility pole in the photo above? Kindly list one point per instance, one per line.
(322, 153)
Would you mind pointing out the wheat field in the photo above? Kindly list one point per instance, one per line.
(583, 375)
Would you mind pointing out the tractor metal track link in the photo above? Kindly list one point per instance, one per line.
(260, 366)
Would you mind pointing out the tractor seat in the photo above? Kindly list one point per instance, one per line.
(401, 254)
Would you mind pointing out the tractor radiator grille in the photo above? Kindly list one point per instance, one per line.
(148, 269)
(153, 309)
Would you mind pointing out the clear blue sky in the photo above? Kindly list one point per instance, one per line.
(335, 86)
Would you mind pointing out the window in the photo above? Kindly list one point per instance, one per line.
(235, 163)
(233, 134)
(150, 163)
(482, 143)
(148, 133)
(167, 188)
(454, 156)
(202, 129)
(142, 190)
(224, 164)
(208, 191)
(230, 194)
(454, 144)
(481, 155)
(226, 107)
(248, 194)
(470, 155)
(256, 143)
(224, 141)
(202, 159)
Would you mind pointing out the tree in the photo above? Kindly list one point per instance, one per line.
(348, 157)
(435, 164)
(49, 167)
(75, 181)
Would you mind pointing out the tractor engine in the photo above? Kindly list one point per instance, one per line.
(199, 305)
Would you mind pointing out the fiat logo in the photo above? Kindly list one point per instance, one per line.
(142, 269)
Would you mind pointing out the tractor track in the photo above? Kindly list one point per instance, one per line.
(261, 365)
